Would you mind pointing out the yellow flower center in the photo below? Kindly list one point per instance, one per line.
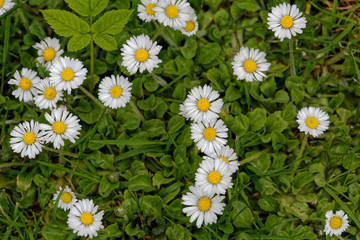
(149, 9)
(66, 197)
(204, 204)
(49, 54)
(29, 138)
(67, 74)
(250, 66)
(25, 84)
(311, 122)
(214, 177)
(203, 104)
(49, 93)
(115, 91)
(86, 218)
(224, 159)
(1, 3)
(335, 222)
(209, 134)
(286, 22)
(59, 127)
(171, 11)
(190, 26)
(141, 55)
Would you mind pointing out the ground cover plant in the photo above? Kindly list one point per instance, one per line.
(208, 119)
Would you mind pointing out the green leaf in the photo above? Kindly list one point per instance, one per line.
(154, 127)
(239, 124)
(105, 41)
(78, 42)
(106, 186)
(112, 22)
(87, 7)
(175, 123)
(151, 206)
(51, 232)
(257, 119)
(65, 23)
(140, 182)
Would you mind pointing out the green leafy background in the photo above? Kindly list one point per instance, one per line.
(136, 162)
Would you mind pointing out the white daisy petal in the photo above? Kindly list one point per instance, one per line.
(114, 91)
(48, 51)
(67, 199)
(336, 223)
(26, 81)
(312, 121)
(47, 95)
(173, 13)
(146, 10)
(6, 6)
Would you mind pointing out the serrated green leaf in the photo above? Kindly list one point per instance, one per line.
(112, 22)
(78, 42)
(87, 7)
(105, 41)
(65, 23)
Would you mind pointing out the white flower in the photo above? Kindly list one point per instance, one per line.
(146, 10)
(63, 126)
(203, 206)
(83, 218)
(26, 82)
(312, 121)
(192, 25)
(6, 5)
(213, 176)
(67, 73)
(26, 139)
(140, 53)
(114, 91)
(67, 199)
(209, 136)
(227, 155)
(336, 223)
(202, 104)
(173, 13)
(48, 51)
(47, 95)
(250, 64)
(286, 21)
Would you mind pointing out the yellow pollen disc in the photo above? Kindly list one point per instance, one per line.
(190, 26)
(311, 122)
(29, 138)
(203, 104)
(66, 197)
(86, 218)
(67, 74)
(59, 127)
(171, 11)
(115, 91)
(214, 177)
(149, 9)
(286, 22)
(49, 93)
(250, 66)
(141, 55)
(49, 54)
(1, 3)
(335, 222)
(209, 134)
(204, 204)
(25, 84)
(224, 159)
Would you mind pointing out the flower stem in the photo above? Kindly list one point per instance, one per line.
(74, 155)
(6, 47)
(160, 30)
(136, 110)
(92, 97)
(291, 54)
(252, 157)
(91, 84)
(303, 144)
(159, 79)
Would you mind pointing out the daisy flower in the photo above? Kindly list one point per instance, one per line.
(227, 155)
(202, 206)
(26, 139)
(26, 82)
(312, 121)
(83, 218)
(48, 51)
(146, 10)
(336, 223)
(6, 5)
(114, 91)
(202, 104)
(67, 199)
(213, 176)
(63, 126)
(210, 136)
(286, 21)
(47, 95)
(173, 13)
(140, 53)
(250, 64)
(67, 73)
(192, 25)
